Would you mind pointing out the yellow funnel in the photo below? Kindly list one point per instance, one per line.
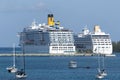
(50, 20)
(97, 28)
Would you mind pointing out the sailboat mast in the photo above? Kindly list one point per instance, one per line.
(14, 54)
(99, 67)
(98, 60)
(103, 62)
(23, 57)
(103, 59)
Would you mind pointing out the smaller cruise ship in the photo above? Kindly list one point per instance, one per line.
(93, 42)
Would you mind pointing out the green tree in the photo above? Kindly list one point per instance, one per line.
(116, 46)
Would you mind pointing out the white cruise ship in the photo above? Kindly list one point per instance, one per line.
(47, 38)
(93, 42)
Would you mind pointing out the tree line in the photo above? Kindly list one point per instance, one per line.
(116, 46)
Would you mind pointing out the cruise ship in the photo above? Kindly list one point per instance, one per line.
(52, 38)
(49, 38)
(97, 42)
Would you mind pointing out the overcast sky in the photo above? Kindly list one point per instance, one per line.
(73, 14)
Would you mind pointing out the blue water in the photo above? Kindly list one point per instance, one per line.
(56, 68)
(9, 50)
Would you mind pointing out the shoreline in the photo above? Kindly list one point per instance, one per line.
(40, 54)
(47, 55)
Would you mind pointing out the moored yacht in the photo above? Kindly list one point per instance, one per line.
(13, 69)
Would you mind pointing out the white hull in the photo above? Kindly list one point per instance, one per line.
(111, 55)
(62, 50)
(21, 76)
(104, 49)
(50, 49)
(12, 69)
(99, 76)
(73, 64)
(104, 74)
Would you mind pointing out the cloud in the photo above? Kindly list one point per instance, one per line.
(21, 5)
(38, 6)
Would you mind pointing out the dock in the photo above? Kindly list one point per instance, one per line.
(40, 54)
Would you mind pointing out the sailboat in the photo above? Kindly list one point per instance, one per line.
(21, 73)
(99, 75)
(103, 71)
(12, 69)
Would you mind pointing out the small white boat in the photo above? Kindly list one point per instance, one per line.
(12, 69)
(99, 76)
(21, 74)
(103, 71)
(72, 64)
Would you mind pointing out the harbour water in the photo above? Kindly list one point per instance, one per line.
(56, 68)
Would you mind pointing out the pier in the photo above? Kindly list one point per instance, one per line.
(40, 54)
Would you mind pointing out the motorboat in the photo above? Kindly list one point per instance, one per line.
(72, 64)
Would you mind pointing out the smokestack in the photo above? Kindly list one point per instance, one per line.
(97, 28)
(50, 20)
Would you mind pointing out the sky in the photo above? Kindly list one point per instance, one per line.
(73, 14)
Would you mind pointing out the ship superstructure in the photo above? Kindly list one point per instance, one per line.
(47, 38)
(93, 42)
